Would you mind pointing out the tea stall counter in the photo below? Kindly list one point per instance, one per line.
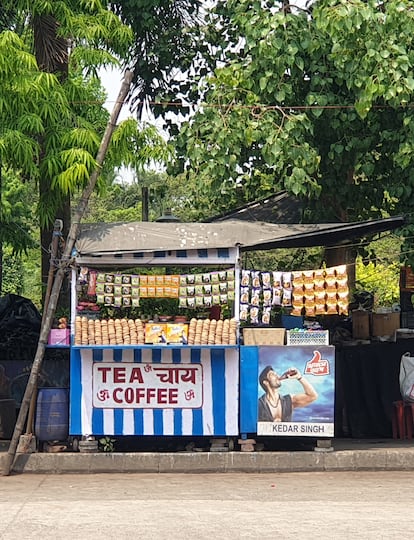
(182, 390)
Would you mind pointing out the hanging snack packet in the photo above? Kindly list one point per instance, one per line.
(267, 297)
(287, 280)
(109, 288)
(255, 299)
(117, 289)
(190, 290)
(207, 288)
(83, 275)
(143, 292)
(223, 287)
(223, 299)
(330, 284)
(277, 296)
(244, 295)
(100, 288)
(254, 315)
(297, 279)
(277, 280)
(298, 302)
(287, 297)
(135, 292)
(330, 272)
(266, 315)
(266, 281)
(320, 307)
(199, 290)
(222, 275)
(216, 288)
(340, 271)
(244, 312)
(255, 279)
(245, 278)
(182, 291)
(159, 292)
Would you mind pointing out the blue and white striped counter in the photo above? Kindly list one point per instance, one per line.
(216, 414)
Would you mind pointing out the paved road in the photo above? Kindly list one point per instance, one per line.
(282, 506)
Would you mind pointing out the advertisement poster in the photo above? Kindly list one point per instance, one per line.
(296, 391)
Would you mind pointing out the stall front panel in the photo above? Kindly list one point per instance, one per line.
(303, 403)
(154, 391)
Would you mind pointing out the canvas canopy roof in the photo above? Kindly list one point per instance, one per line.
(149, 242)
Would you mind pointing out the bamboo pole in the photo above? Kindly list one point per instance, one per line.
(57, 230)
(63, 266)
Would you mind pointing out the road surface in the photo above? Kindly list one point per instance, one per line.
(280, 506)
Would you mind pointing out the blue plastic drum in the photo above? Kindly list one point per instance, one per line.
(52, 414)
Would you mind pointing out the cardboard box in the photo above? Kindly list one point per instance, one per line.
(385, 324)
(59, 336)
(155, 333)
(264, 336)
(177, 333)
(360, 324)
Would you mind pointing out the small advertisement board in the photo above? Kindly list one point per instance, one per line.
(296, 391)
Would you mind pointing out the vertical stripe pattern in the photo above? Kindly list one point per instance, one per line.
(218, 415)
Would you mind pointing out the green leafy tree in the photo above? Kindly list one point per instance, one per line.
(167, 38)
(48, 133)
(309, 100)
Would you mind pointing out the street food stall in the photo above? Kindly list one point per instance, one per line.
(194, 372)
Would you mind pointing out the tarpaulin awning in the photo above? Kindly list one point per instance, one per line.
(139, 242)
